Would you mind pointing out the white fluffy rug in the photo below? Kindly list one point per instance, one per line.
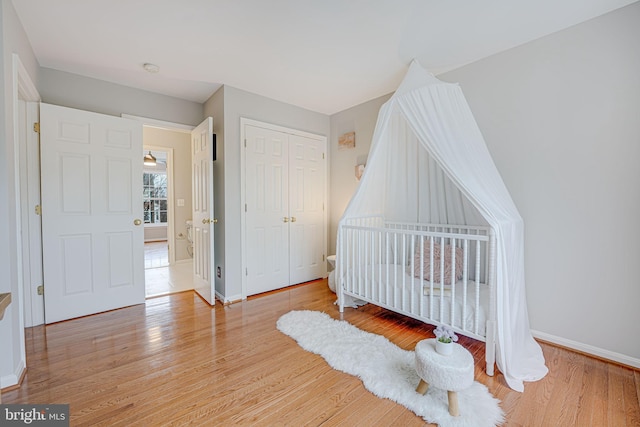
(386, 370)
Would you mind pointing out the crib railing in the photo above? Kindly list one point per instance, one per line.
(373, 257)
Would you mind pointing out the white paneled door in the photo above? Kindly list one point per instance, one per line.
(267, 211)
(306, 198)
(202, 214)
(92, 229)
(284, 219)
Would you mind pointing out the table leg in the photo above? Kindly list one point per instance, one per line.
(453, 403)
(422, 387)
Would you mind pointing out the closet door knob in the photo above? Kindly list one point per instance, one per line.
(137, 222)
(215, 220)
(285, 219)
(293, 219)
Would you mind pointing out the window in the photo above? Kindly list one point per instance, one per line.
(155, 197)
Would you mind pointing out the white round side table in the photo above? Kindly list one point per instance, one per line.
(452, 373)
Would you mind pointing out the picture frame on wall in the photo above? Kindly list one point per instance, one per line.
(347, 141)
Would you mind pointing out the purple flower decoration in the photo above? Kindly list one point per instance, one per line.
(445, 334)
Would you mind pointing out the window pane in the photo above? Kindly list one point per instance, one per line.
(159, 193)
(160, 180)
(155, 197)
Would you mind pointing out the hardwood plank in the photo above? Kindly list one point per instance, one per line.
(615, 409)
(174, 360)
(630, 388)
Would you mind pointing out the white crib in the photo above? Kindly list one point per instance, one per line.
(438, 274)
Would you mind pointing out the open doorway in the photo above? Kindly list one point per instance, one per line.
(156, 182)
(168, 258)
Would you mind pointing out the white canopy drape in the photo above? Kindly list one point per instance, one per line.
(428, 162)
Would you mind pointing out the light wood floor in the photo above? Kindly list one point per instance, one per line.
(176, 361)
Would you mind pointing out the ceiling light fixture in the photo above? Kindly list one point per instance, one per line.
(149, 159)
(151, 68)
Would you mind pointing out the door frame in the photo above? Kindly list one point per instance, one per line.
(29, 172)
(23, 90)
(243, 196)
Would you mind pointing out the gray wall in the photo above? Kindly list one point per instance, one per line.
(561, 117)
(360, 119)
(214, 107)
(84, 93)
(237, 104)
(12, 40)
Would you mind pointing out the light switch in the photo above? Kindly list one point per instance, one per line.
(180, 202)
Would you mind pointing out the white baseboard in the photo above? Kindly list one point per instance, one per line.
(228, 300)
(184, 261)
(13, 379)
(589, 349)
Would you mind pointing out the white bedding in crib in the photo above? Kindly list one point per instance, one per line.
(391, 286)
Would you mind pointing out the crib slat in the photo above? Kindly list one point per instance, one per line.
(387, 267)
(395, 269)
(452, 243)
(412, 289)
(477, 302)
(465, 280)
(431, 247)
(379, 265)
(442, 318)
(421, 290)
(404, 276)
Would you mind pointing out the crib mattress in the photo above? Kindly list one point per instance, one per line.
(392, 286)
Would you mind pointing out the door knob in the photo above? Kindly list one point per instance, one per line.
(215, 220)
(205, 220)
(137, 221)
(285, 219)
(293, 219)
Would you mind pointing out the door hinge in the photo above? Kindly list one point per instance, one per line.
(245, 207)
(323, 257)
(322, 156)
(246, 271)
(36, 127)
(40, 290)
(38, 210)
(245, 143)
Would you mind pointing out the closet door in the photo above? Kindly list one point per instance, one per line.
(306, 189)
(267, 210)
(284, 219)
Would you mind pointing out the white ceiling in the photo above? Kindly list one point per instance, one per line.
(323, 55)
